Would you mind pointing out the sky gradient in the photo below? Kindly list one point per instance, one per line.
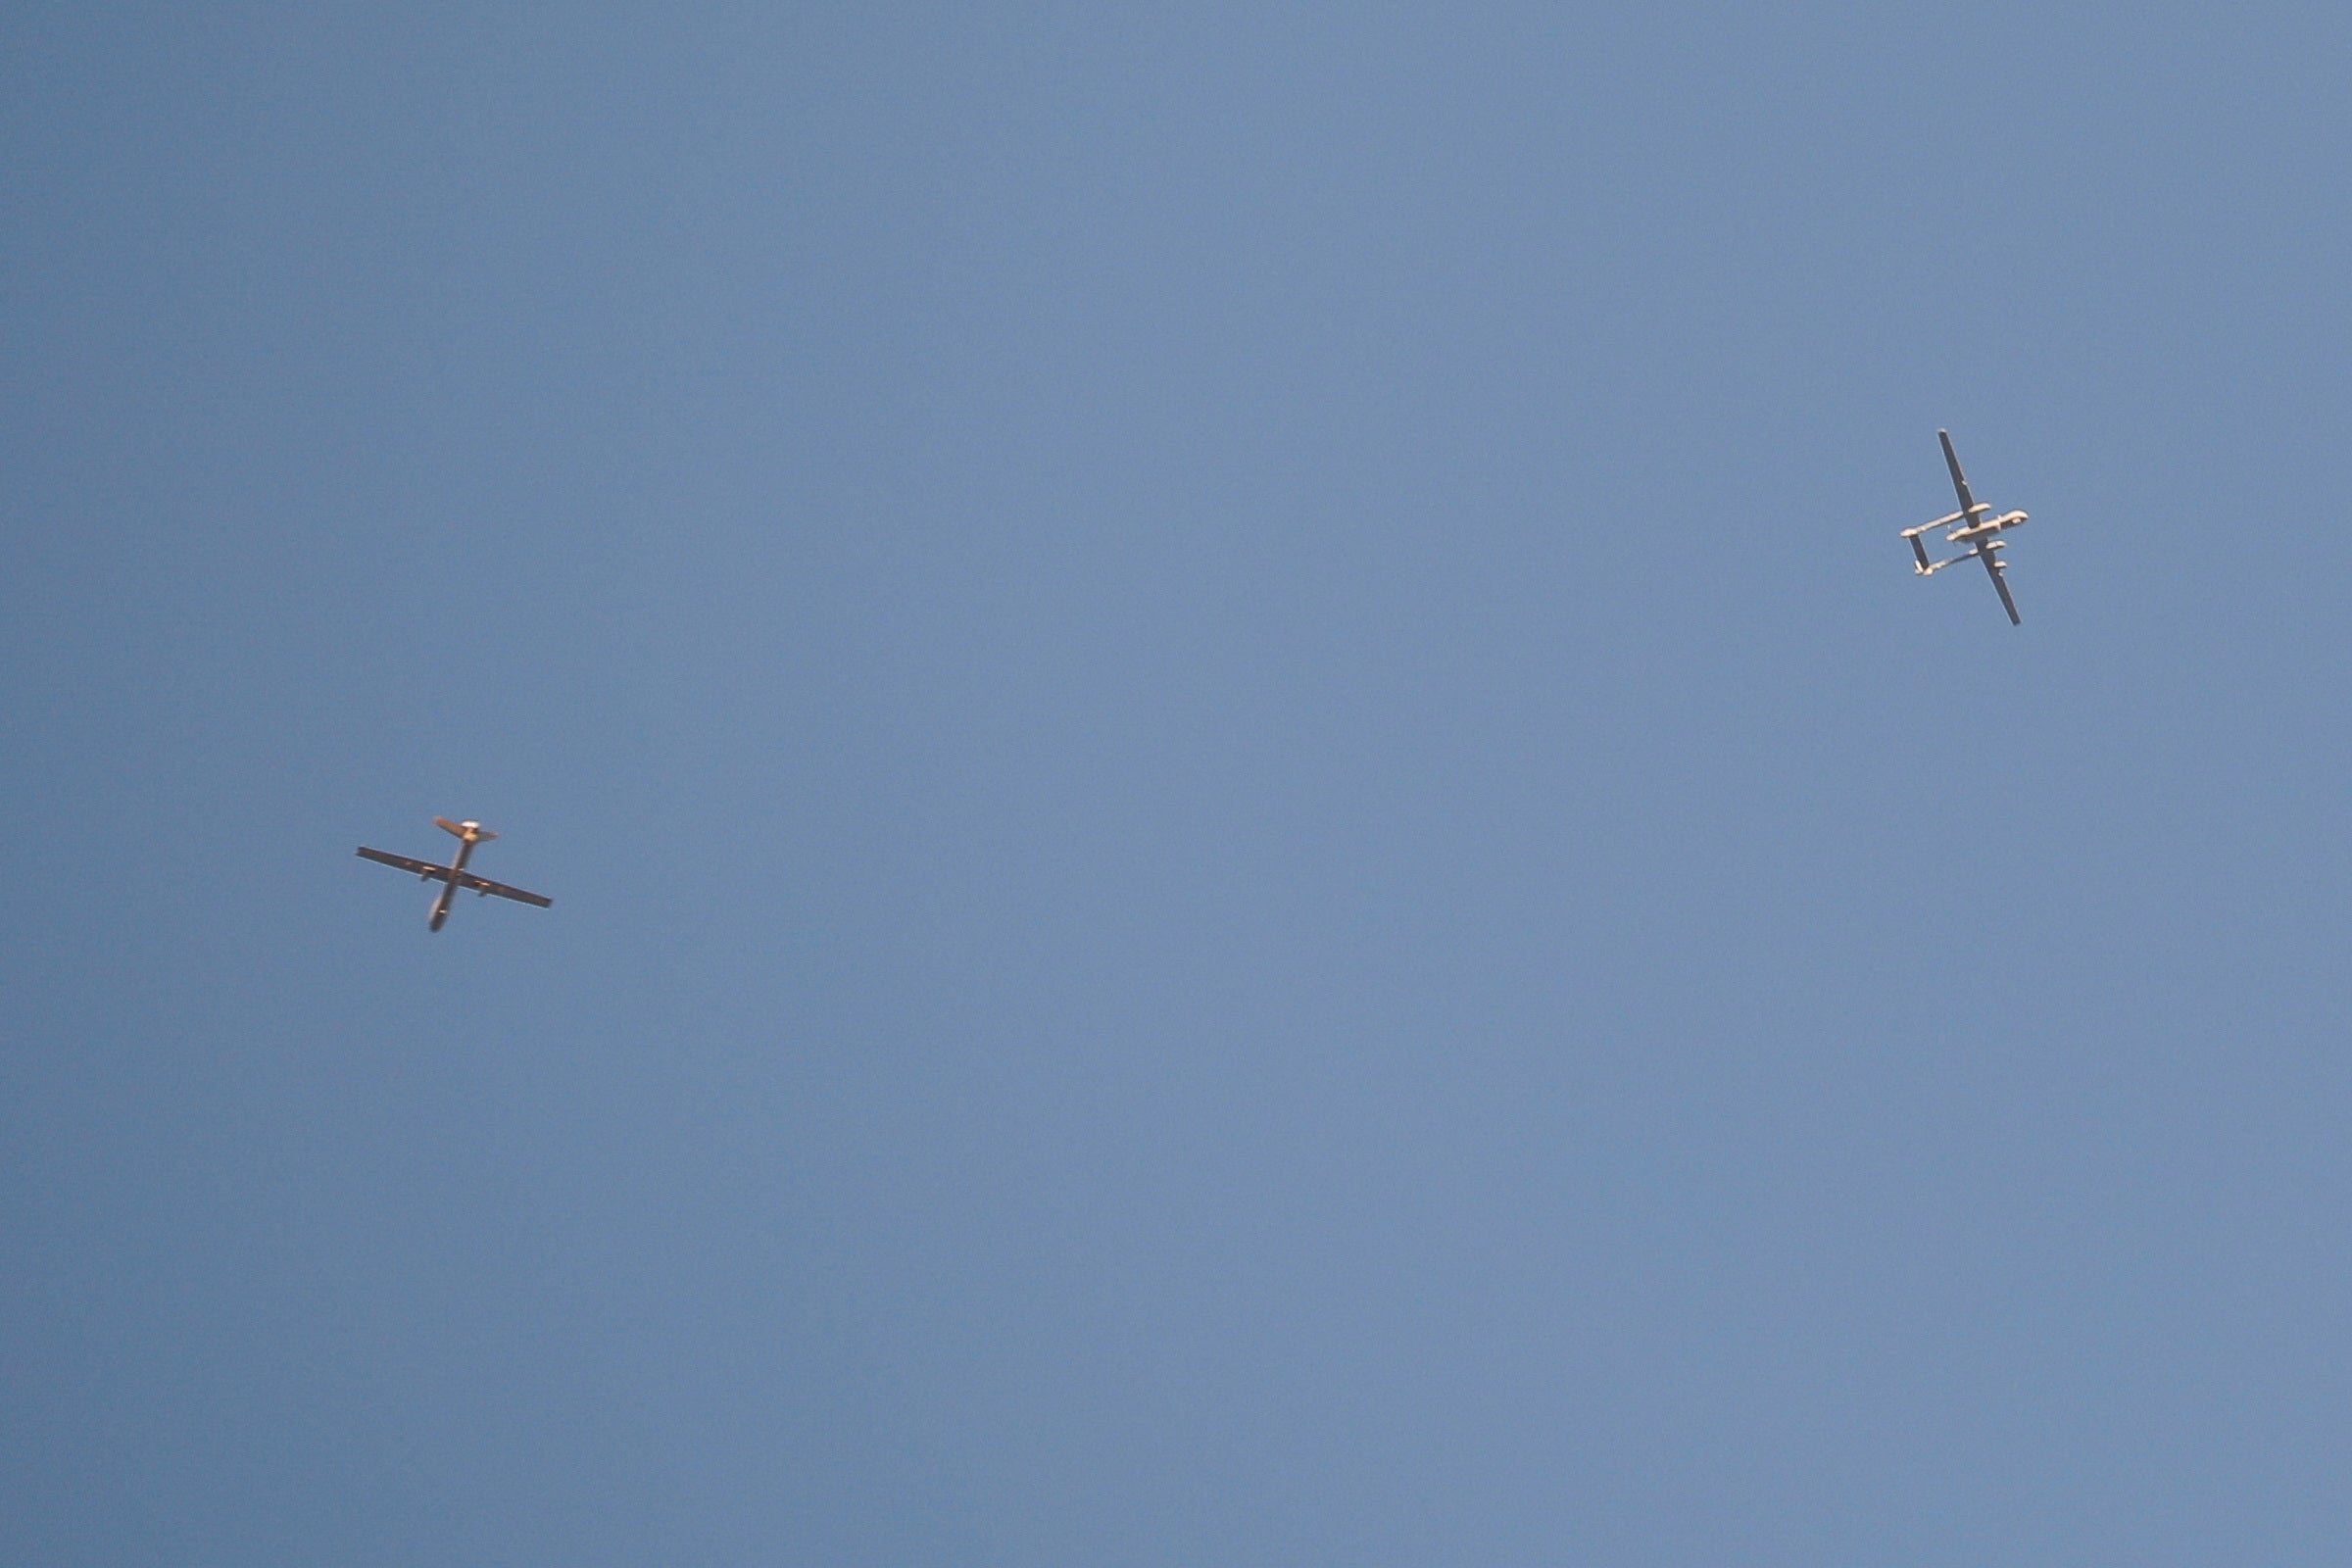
(1262, 853)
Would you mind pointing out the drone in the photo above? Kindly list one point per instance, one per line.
(454, 875)
(1980, 533)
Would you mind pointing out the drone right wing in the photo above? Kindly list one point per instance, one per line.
(482, 884)
(2000, 583)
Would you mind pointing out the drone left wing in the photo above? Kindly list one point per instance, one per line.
(1951, 461)
(482, 884)
(425, 868)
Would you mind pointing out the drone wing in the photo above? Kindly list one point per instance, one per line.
(482, 884)
(1951, 461)
(424, 868)
(1993, 569)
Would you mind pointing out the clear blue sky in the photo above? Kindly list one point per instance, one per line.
(1262, 853)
